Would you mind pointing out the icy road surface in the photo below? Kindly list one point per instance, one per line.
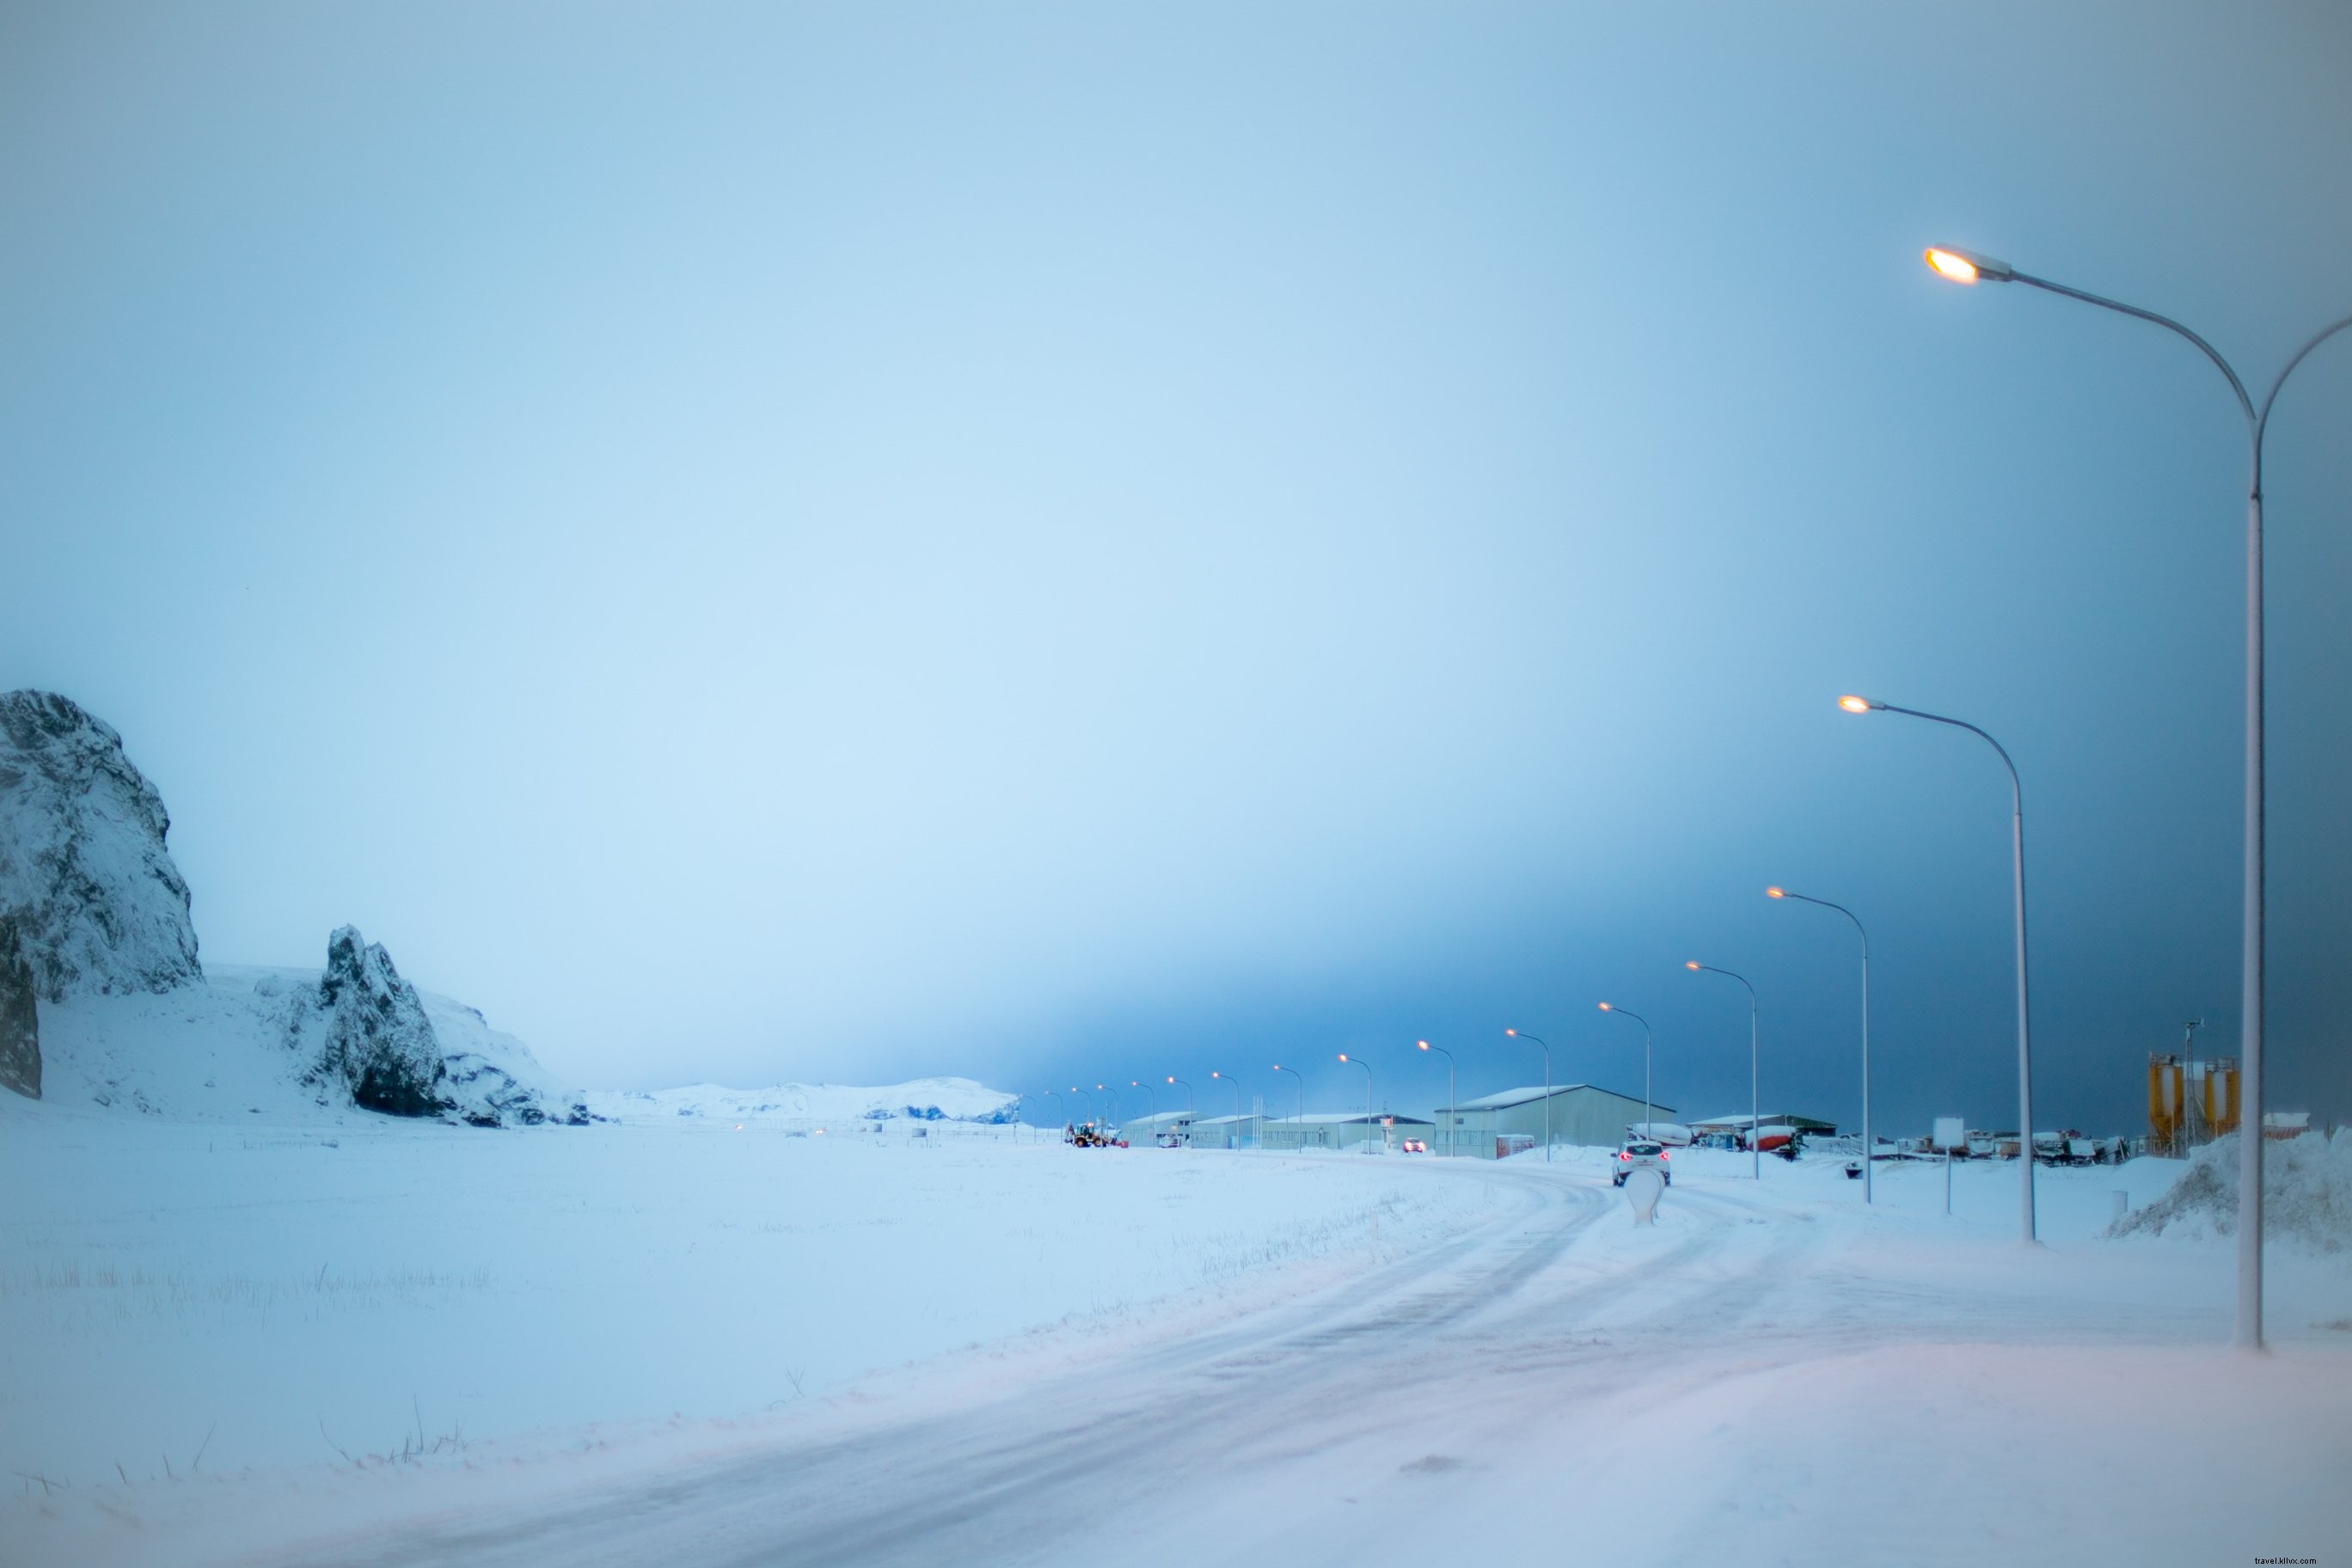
(1769, 1374)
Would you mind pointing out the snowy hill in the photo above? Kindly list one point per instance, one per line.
(924, 1099)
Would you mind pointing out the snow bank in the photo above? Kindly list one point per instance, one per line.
(2306, 1194)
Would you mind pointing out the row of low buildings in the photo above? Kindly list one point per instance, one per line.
(1487, 1128)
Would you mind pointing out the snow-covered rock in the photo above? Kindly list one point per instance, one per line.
(20, 1022)
(365, 1031)
(99, 905)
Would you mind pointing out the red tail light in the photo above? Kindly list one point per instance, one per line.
(1663, 1154)
(1623, 1155)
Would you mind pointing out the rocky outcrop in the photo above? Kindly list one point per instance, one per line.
(366, 1031)
(20, 1018)
(98, 906)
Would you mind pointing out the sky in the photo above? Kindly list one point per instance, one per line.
(1075, 544)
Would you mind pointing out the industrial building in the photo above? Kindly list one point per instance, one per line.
(1735, 1127)
(1342, 1129)
(1146, 1131)
(1496, 1124)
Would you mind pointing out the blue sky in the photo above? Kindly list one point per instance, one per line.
(1061, 542)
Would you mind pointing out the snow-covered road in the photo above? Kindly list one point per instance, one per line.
(1767, 1375)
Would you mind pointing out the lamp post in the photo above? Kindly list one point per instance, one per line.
(1049, 1094)
(1523, 1034)
(1453, 1106)
(1965, 267)
(1867, 1195)
(1302, 1100)
(1755, 1152)
(2025, 1030)
(1152, 1090)
(1235, 1085)
(1114, 1107)
(1368, 1093)
(1649, 1109)
(1188, 1108)
(1091, 1115)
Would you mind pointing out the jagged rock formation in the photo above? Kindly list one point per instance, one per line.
(365, 1030)
(99, 906)
(20, 1019)
(378, 1041)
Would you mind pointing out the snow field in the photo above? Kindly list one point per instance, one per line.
(175, 1297)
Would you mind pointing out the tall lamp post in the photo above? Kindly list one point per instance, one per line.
(1368, 1094)
(1523, 1034)
(1302, 1100)
(1113, 1105)
(1151, 1090)
(1966, 267)
(1188, 1107)
(1649, 1108)
(1453, 1106)
(1049, 1094)
(1092, 1114)
(1755, 1150)
(1867, 1146)
(2017, 878)
(1235, 1085)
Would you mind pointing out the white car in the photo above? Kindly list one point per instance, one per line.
(1637, 1155)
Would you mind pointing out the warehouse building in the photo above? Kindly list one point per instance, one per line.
(1172, 1127)
(1735, 1128)
(1343, 1129)
(1496, 1124)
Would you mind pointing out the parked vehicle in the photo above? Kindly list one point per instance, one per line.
(1640, 1153)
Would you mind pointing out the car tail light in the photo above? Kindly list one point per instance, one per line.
(1663, 1154)
(1623, 1155)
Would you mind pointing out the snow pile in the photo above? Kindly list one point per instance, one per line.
(2306, 1194)
(99, 906)
(923, 1099)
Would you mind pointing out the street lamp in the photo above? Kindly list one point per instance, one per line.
(1453, 1108)
(1302, 1100)
(1755, 1150)
(1235, 1085)
(1091, 1113)
(1153, 1091)
(1523, 1034)
(1649, 1110)
(1867, 1146)
(1114, 1107)
(1368, 1093)
(2024, 1031)
(1964, 267)
(1188, 1092)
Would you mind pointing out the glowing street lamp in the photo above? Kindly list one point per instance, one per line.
(1235, 1085)
(2025, 1030)
(2249, 1332)
(1153, 1090)
(1755, 1149)
(1091, 1115)
(1649, 1108)
(1368, 1096)
(1868, 1194)
(1452, 1108)
(1302, 1100)
(1523, 1034)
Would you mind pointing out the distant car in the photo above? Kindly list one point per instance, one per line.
(1641, 1154)
(1416, 1146)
